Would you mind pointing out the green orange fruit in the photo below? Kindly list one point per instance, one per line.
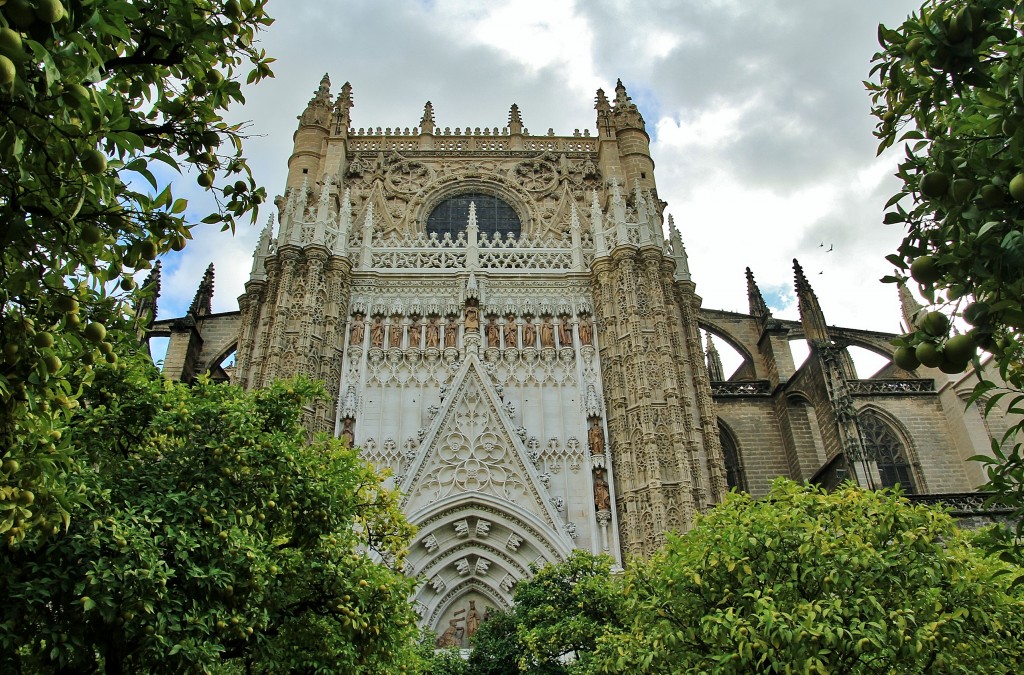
(925, 269)
(1017, 187)
(905, 358)
(935, 323)
(960, 348)
(7, 70)
(934, 184)
(95, 332)
(49, 11)
(93, 161)
(928, 354)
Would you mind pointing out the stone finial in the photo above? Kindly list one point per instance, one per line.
(678, 251)
(815, 328)
(621, 98)
(427, 121)
(145, 308)
(755, 300)
(342, 108)
(298, 214)
(515, 120)
(344, 224)
(625, 115)
(262, 250)
(910, 308)
(202, 303)
(601, 102)
(323, 92)
(318, 109)
(597, 226)
(716, 372)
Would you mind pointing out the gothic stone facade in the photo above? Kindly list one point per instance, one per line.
(502, 323)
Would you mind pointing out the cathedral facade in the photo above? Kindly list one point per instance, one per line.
(503, 324)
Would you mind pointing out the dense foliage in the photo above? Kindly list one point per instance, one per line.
(213, 533)
(101, 102)
(800, 581)
(950, 83)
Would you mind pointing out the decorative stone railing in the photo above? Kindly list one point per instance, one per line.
(446, 141)
(961, 504)
(891, 387)
(748, 388)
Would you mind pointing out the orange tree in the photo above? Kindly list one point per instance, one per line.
(805, 581)
(214, 537)
(100, 102)
(949, 84)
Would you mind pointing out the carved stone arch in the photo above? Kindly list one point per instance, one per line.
(514, 196)
(890, 450)
(456, 533)
(876, 344)
(721, 333)
(214, 366)
(436, 618)
(735, 475)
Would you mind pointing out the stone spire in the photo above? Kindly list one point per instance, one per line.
(601, 104)
(815, 328)
(342, 108)
(909, 307)
(323, 211)
(262, 251)
(318, 110)
(201, 304)
(716, 372)
(621, 97)
(597, 225)
(625, 113)
(427, 121)
(145, 308)
(344, 224)
(298, 214)
(678, 251)
(515, 120)
(758, 307)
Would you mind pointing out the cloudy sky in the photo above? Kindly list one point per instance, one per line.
(760, 125)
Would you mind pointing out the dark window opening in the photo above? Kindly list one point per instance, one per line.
(734, 474)
(493, 216)
(882, 445)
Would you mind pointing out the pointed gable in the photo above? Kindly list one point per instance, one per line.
(472, 447)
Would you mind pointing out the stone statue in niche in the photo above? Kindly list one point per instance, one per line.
(348, 431)
(602, 497)
(529, 334)
(596, 440)
(511, 339)
(433, 332)
(565, 333)
(396, 332)
(547, 333)
(377, 332)
(452, 635)
(358, 326)
(415, 328)
(472, 619)
(451, 332)
(472, 318)
(586, 331)
(493, 333)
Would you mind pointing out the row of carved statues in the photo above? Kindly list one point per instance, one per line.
(432, 333)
